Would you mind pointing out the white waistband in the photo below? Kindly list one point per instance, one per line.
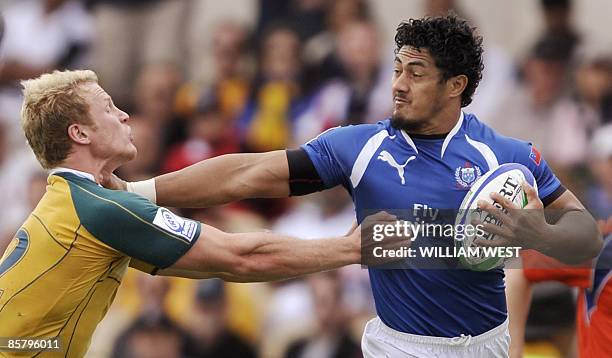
(463, 340)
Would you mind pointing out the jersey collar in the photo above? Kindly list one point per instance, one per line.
(73, 171)
(447, 140)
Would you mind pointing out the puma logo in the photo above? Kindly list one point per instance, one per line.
(388, 158)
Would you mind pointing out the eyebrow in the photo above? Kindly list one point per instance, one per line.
(411, 63)
(417, 63)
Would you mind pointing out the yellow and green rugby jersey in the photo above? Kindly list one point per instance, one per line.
(60, 274)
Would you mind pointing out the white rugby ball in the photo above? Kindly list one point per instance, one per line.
(506, 179)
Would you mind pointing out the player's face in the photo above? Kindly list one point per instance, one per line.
(418, 91)
(111, 135)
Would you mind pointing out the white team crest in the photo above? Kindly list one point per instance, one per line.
(388, 158)
(467, 175)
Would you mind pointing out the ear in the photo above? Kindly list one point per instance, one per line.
(456, 85)
(79, 133)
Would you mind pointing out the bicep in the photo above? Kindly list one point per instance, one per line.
(214, 251)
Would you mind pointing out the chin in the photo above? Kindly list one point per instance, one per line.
(408, 123)
(132, 154)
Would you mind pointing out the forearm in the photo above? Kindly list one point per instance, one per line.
(225, 179)
(573, 239)
(262, 256)
(275, 257)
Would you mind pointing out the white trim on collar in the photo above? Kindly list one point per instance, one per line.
(409, 140)
(451, 134)
(73, 171)
(447, 139)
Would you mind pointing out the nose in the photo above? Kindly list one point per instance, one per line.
(400, 84)
(123, 116)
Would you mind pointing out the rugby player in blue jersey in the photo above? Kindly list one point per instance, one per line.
(422, 159)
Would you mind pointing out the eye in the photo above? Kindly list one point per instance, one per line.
(396, 71)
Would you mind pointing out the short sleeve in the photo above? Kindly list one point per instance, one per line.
(549, 186)
(325, 156)
(133, 225)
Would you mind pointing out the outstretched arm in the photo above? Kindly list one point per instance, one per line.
(224, 179)
(262, 256)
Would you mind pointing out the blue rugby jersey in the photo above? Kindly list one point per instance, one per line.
(387, 169)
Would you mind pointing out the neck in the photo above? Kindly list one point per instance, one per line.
(99, 168)
(441, 123)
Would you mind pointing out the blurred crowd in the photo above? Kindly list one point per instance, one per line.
(303, 67)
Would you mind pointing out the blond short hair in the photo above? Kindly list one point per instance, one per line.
(53, 102)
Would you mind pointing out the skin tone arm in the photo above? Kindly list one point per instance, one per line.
(573, 239)
(225, 179)
(263, 256)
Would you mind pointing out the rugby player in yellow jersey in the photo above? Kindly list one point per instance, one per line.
(60, 274)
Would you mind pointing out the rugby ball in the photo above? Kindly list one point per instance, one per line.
(506, 179)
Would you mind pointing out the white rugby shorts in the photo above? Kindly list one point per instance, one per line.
(381, 341)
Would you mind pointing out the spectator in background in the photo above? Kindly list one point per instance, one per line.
(557, 15)
(230, 85)
(153, 291)
(540, 110)
(307, 15)
(41, 35)
(359, 94)
(320, 52)
(151, 337)
(292, 310)
(599, 194)
(593, 86)
(329, 212)
(210, 336)
(208, 136)
(331, 337)
(275, 99)
(154, 123)
(35, 186)
(133, 33)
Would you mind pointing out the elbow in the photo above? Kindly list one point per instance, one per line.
(588, 251)
(595, 248)
(595, 245)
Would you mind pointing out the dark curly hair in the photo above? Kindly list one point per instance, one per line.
(452, 43)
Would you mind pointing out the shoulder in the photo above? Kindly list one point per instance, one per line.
(93, 202)
(359, 133)
(507, 149)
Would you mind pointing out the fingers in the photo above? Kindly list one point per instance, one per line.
(493, 229)
(382, 216)
(503, 217)
(533, 201)
(498, 242)
(504, 202)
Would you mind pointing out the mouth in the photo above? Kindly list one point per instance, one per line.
(398, 101)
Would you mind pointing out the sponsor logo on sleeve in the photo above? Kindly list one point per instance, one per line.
(535, 155)
(174, 224)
